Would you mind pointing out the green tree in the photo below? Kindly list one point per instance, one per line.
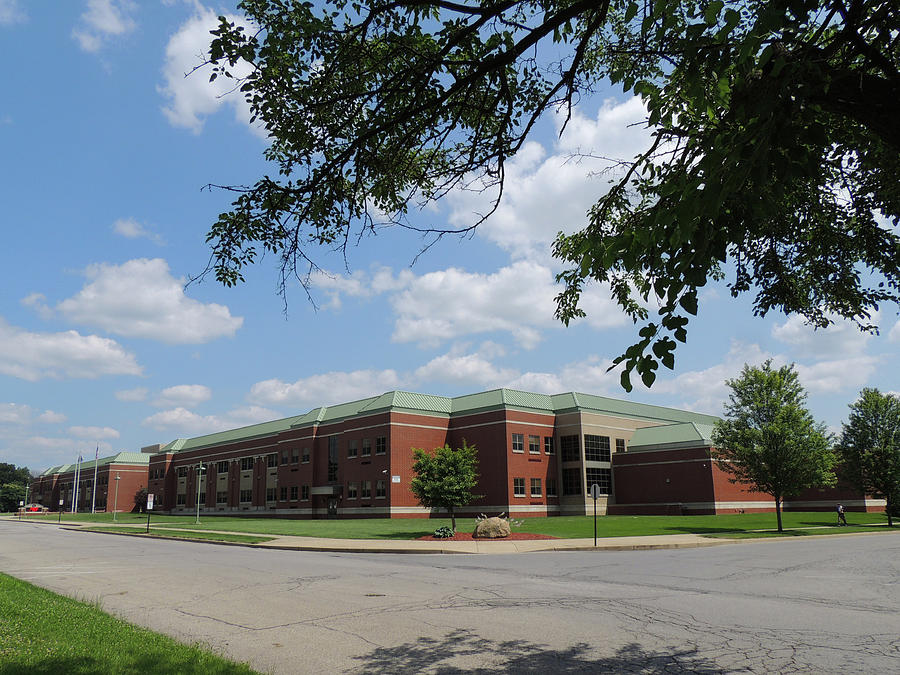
(768, 439)
(13, 480)
(773, 126)
(870, 447)
(445, 478)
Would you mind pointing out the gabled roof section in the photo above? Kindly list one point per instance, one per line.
(88, 464)
(692, 433)
(502, 398)
(572, 402)
(232, 435)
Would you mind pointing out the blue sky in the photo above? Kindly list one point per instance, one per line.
(106, 147)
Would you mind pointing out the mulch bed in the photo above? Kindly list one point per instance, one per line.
(467, 536)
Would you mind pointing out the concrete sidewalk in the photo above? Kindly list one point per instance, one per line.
(421, 546)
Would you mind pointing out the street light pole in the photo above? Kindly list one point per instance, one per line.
(199, 476)
(116, 503)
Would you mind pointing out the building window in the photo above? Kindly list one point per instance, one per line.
(270, 494)
(548, 445)
(352, 448)
(571, 479)
(180, 499)
(182, 471)
(570, 449)
(295, 455)
(285, 457)
(304, 493)
(602, 477)
(596, 448)
(518, 443)
(332, 459)
(306, 455)
(284, 494)
(294, 493)
(535, 487)
(534, 445)
(366, 491)
(222, 467)
(551, 487)
(380, 489)
(518, 487)
(246, 495)
(246, 463)
(272, 460)
(366, 448)
(620, 445)
(221, 497)
(381, 445)
(352, 490)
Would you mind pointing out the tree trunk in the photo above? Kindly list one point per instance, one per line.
(778, 512)
(453, 519)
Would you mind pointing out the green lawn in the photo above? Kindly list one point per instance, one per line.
(42, 633)
(182, 534)
(565, 527)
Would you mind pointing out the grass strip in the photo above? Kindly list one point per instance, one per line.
(181, 534)
(810, 532)
(42, 633)
(564, 527)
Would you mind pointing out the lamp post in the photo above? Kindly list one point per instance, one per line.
(199, 476)
(116, 503)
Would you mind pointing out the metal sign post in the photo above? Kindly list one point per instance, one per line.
(59, 516)
(595, 493)
(149, 509)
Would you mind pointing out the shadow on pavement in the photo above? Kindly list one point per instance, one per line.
(462, 652)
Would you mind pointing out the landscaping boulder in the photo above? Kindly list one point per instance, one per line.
(492, 528)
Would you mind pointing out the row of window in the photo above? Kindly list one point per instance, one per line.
(596, 448)
(363, 489)
(534, 444)
(572, 480)
(354, 449)
(519, 487)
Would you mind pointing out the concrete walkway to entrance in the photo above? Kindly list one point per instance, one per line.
(290, 543)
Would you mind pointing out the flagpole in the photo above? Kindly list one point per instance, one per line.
(75, 485)
(96, 462)
(77, 482)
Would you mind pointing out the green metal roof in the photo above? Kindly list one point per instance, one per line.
(119, 458)
(688, 432)
(429, 404)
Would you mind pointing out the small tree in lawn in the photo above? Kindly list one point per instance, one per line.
(870, 447)
(446, 477)
(768, 438)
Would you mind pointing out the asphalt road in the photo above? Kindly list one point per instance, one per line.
(829, 605)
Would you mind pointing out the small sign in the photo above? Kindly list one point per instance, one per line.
(21, 503)
(395, 479)
(595, 491)
(60, 502)
(150, 501)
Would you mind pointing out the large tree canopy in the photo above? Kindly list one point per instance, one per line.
(773, 123)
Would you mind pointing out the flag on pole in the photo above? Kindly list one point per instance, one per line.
(97, 453)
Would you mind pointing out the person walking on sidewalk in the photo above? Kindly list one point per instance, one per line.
(842, 519)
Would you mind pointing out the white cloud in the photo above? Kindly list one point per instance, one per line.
(11, 12)
(360, 284)
(469, 369)
(93, 433)
(33, 356)
(21, 414)
(325, 389)
(894, 335)
(103, 20)
(517, 300)
(705, 390)
(132, 229)
(842, 338)
(191, 96)
(37, 301)
(543, 194)
(183, 395)
(136, 394)
(140, 298)
(850, 374)
(187, 423)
